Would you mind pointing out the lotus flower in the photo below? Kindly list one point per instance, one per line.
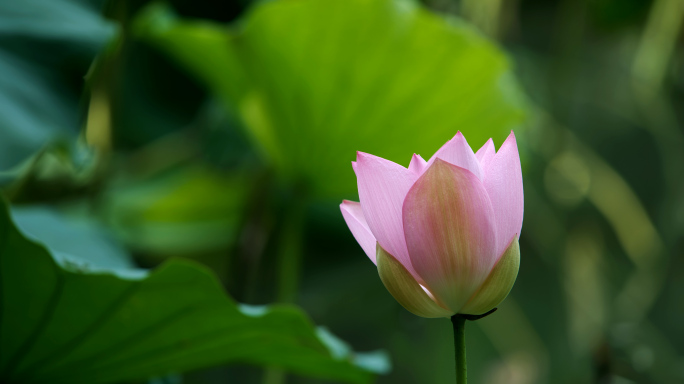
(443, 233)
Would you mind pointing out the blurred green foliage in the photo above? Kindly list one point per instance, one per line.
(316, 81)
(180, 212)
(44, 47)
(223, 132)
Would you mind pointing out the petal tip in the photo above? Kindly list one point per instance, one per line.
(363, 157)
(458, 136)
(511, 136)
(510, 142)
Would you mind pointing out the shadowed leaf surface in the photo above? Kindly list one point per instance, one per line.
(46, 47)
(66, 321)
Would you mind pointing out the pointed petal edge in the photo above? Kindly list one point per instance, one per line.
(353, 216)
(383, 185)
(485, 154)
(458, 152)
(417, 165)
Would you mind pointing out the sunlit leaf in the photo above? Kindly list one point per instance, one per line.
(67, 322)
(314, 81)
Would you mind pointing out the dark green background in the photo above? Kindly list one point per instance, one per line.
(133, 122)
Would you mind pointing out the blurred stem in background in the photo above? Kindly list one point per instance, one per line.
(289, 247)
(649, 70)
(103, 83)
(485, 14)
(98, 127)
(571, 18)
(613, 197)
(492, 17)
(657, 46)
(256, 231)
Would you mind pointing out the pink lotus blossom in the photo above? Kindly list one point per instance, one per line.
(443, 233)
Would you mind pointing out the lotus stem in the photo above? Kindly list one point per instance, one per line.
(458, 322)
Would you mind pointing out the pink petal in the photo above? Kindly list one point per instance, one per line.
(417, 165)
(450, 234)
(485, 154)
(457, 152)
(353, 215)
(383, 185)
(503, 181)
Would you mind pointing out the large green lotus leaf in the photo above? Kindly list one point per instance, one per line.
(44, 46)
(62, 321)
(316, 80)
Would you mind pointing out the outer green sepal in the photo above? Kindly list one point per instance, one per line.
(405, 289)
(498, 284)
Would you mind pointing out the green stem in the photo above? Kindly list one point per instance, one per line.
(460, 348)
(290, 250)
(290, 247)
